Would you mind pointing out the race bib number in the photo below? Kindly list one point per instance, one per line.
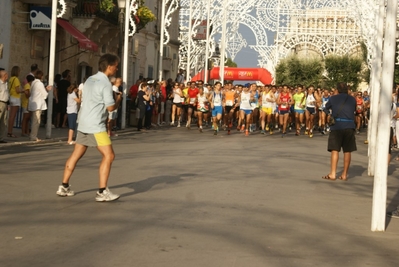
(229, 102)
(192, 100)
(217, 101)
(283, 106)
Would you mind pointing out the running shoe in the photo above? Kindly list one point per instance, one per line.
(283, 134)
(228, 132)
(200, 129)
(242, 128)
(271, 132)
(306, 131)
(357, 131)
(267, 128)
(106, 195)
(297, 133)
(65, 192)
(246, 133)
(263, 132)
(178, 126)
(310, 134)
(215, 132)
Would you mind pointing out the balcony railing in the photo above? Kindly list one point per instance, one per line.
(91, 9)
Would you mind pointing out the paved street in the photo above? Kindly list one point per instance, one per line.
(191, 199)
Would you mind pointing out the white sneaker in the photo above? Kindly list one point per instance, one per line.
(65, 192)
(106, 195)
(178, 125)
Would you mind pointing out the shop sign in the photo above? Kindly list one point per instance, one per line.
(40, 18)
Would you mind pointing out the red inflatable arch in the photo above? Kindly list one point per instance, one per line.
(238, 74)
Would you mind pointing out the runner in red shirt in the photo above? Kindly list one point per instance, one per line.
(192, 97)
(284, 101)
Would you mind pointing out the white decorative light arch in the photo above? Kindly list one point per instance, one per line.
(327, 26)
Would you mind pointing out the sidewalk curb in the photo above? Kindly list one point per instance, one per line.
(48, 140)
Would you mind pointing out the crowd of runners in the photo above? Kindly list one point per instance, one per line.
(249, 108)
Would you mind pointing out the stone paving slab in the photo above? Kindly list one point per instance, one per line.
(191, 199)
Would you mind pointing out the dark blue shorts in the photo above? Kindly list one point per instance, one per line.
(72, 121)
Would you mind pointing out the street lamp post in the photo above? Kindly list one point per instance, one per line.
(53, 35)
(121, 16)
(124, 38)
(161, 41)
(208, 26)
(223, 40)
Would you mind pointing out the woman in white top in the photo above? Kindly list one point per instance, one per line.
(72, 110)
(37, 103)
(245, 100)
(267, 101)
(312, 99)
(202, 107)
(176, 107)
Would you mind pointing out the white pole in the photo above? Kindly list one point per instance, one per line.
(125, 65)
(53, 36)
(208, 27)
(188, 78)
(383, 134)
(161, 41)
(223, 40)
(375, 89)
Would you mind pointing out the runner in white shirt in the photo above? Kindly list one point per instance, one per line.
(245, 100)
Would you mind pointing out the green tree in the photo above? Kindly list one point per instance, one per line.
(294, 70)
(343, 69)
(230, 63)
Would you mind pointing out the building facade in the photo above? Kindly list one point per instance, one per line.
(84, 33)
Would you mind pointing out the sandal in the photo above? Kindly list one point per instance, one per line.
(343, 179)
(11, 135)
(327, 177)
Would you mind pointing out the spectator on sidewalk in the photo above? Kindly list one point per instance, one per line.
(133, 91)
(142, 99)
(342, 133)
(161, 119)
(62, 88)
(56, 106)
(15, 91)
(113, 115)
(98, 99)
(4, 97)
(24, 104)
(37, 103)
(73, 102)
(180, 76)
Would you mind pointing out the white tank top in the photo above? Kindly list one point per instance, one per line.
(267, 100)
(202, 100)
(217, 99)
(177, 98)
(310, 101)
(245, 98)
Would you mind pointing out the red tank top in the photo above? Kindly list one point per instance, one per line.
(284, 98)
(359, 105)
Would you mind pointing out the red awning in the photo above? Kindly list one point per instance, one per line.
(84, 42)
